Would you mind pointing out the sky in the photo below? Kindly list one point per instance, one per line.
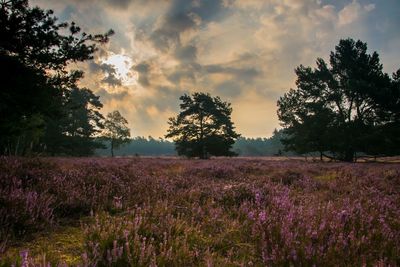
(244, 51)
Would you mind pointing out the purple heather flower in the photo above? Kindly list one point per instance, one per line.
(24, 256)
(262, 216)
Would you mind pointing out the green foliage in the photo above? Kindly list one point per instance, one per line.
(81, 121)
(25, 101)
(40, 101)
(116, 130)
(203, 127)
(351, 106)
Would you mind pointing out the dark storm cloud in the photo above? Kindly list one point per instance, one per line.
(108, 70)
(143, 70)
(142, 67)
(168, 35)
(112, 80)
(184, 15)
(207, 10)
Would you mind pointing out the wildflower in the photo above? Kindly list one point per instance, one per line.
(258, 198)
(314, 235)
(85, 258)
(118, 202)
(24, 256)
(262, 216)
(251, 215)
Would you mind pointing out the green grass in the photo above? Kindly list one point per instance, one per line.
(63, 244)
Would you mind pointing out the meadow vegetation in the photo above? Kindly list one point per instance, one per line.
(175, 212)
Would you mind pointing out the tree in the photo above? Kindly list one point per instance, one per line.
(75, 132)
(36, 52)
(25, 101)
(203, 127)
(116, 130)
(341, 108)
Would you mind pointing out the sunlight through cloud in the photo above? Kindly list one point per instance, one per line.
(123, 68)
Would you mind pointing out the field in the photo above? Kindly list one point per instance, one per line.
(219, 212)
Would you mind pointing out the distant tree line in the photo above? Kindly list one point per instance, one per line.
(140, 146)
(346, 108)
(247, 147)
(261, 146)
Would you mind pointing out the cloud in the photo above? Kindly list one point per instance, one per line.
(229, 89)
(112, 80)
(168, 34)
(109, 72)
(369, 7)
(106, 96)
(143, 69)
(186, 54)
(245, 74)
(181, 73)
(353, 12)
(123, 4)
(243, 50)
(184, 16)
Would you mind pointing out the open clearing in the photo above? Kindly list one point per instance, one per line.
(219, 212)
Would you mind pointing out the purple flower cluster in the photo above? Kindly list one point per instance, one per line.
(236, 212)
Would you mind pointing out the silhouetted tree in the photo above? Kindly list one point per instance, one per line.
(116, 130)
(35, 52)
(385, 139)
(25, 102)
(203, 127)
(340, 108)
(81, 121)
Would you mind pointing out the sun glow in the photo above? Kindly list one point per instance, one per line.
(123, 68)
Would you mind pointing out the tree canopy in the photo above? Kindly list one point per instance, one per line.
(42, 108)
(348, 107)
(203, 127)
(116, 130)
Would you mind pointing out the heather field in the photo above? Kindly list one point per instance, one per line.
(219, 212)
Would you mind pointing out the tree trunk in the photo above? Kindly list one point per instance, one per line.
(349, 155)
(112, 148)
(203, 153)
(17, 147)
(320, 156)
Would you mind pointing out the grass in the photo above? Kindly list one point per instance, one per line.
(60, 244)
